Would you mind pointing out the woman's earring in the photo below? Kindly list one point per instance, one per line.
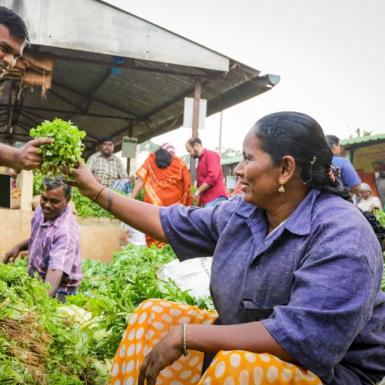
(281, 187)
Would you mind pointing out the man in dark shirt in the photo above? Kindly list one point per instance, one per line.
(211, 186)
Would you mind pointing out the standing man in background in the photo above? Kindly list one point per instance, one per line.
(349, 176)
(211, 186)
(106, 167)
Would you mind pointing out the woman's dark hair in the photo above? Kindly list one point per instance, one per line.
(162, 158)
(299, 135)
(14, 23)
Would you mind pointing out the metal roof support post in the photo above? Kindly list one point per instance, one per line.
(128, 165)
(195, 124)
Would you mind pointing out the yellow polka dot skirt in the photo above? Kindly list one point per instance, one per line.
(152, 320)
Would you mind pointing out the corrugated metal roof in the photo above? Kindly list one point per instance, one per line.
(109, 95)
(367, 139)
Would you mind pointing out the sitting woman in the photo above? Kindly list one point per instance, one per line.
(295, 279)
(368, 201)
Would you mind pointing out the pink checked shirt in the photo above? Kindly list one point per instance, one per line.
(54, 244)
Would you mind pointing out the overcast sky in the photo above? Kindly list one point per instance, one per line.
(330, 55)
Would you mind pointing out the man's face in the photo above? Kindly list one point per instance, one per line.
(107, 148)
(337, 150)
(365, 194)
(53, 203)
(11, 48)
(193, 151)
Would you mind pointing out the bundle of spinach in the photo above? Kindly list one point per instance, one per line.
(67, 149)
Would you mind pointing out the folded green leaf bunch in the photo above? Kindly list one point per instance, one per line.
(67, 149)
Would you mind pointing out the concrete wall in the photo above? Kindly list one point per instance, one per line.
(99, 237)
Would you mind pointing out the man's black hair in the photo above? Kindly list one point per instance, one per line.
(14, 23)
(105, 139)
(332, 140)
(193, 141)
(56, 182)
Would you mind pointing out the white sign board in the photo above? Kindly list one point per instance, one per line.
(188, 113)
(129, 147)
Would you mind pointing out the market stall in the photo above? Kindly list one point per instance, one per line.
(367, 153)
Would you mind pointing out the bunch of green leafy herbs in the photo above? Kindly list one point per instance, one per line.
(67, 149)
(38, 345)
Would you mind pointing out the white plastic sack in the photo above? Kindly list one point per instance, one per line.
(131, 235)
(192, 275)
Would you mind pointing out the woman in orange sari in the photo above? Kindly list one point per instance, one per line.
(166, 181)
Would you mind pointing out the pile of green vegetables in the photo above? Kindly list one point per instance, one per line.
(112, 291)
(38, 345)
(44, 342)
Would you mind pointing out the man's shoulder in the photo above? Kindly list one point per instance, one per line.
(340, 161)
(116, 158)
(212, 154)
(67, 223)
(94, 156)
(37, 215)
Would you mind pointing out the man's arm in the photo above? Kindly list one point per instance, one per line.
(12, 254)
(26, 158)
(54, 278)
(350, 177)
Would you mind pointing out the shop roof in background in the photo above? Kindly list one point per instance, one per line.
(362, 140)
(114, 73)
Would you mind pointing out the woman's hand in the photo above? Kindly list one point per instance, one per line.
(163, 354)
(84, 181)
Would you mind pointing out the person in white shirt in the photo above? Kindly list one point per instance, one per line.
(368, 201)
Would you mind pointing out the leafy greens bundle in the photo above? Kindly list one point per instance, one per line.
(67, 149)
